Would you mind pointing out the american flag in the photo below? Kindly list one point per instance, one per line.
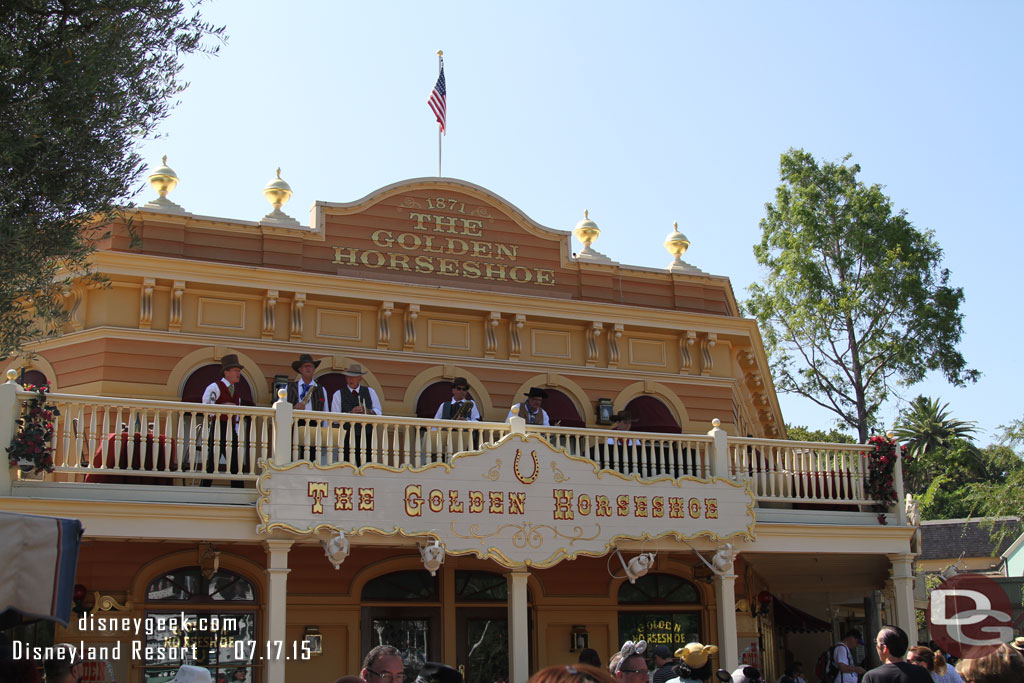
(437, 98)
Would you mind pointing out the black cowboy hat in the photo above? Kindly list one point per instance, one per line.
(460, 382)
(536, 392)
(304, 358)
(435, 672)
(230, 361)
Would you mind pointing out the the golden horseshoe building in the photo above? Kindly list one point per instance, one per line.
(493, 546)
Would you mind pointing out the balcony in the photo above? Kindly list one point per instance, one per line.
(139, 450)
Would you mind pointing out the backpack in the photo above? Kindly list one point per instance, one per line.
(826, 668)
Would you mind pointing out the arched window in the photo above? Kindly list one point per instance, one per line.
(198, 620)
(202, 377)
(651, 415)
(34, 377)
(332, 382)
(399, 586)
(562, 410)
(661, 609)
(480, 586)
(433, 396)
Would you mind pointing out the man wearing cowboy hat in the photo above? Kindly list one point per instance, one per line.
(304, 393)
(358, 399)
(355, 397)
(459, 407)
(225, 391)
(623, 422)
(530, 409)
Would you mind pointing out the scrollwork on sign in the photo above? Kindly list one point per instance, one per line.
(494, 472)
(481, 211)
(527, 534)
(560, 477)
(410, 203)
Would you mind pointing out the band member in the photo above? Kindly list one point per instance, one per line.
(305, 394)
(460, 407)
(358, 399)
(530, 409)
(225, 392)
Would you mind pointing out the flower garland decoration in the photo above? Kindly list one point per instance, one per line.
(881, 472)
(31, 448)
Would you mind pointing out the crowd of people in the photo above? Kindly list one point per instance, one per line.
(689, 664)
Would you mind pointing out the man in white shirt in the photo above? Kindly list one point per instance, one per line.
(460, 407)
(225, 392)
(842, 655)
(530, 409)
(305, 394)
(358, 399)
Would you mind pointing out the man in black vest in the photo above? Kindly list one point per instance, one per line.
(460, 407)
(358, 399)
(305, 394)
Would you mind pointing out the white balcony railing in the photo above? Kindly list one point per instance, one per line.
(109, 440)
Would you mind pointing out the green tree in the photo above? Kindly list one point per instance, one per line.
(82, 82)
(936, 442)
(853, 299)
(802, 433)
(1003, 494)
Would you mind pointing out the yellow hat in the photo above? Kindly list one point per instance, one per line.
(695, 655)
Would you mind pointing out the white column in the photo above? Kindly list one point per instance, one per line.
(518, 628)
(903, 585)
(720, 459)
(277, 605)
(10, 411)
(725, 598)
(283, 429)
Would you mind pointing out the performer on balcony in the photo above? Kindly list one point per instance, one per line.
(355, 397)
(460, 407)
(305, 394)
(530, 409)
(358, 399)
(623, 422)
(225, 392)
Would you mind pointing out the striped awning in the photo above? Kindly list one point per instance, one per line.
(38, 561)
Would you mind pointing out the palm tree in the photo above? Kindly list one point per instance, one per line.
(926, 427)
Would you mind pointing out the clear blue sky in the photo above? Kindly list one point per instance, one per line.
(644, 114)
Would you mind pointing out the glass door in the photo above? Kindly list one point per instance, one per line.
(415, 631)
(482, 650)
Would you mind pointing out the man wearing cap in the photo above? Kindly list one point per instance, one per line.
(664, 663)
(530, 409)
(65, 666)
(225, 392)
(460, 407)
(305, 394)
(842, 657)
(358, 399)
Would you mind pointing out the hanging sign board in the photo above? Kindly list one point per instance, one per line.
(520, 502)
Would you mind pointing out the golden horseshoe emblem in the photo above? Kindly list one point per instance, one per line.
(519, 474)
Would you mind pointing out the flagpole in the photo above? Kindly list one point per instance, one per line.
(439, 54)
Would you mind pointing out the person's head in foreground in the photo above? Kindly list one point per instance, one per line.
(574, 673)
(1005, 665)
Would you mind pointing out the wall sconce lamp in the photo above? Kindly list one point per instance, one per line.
(605, 410)
(764, 601)
(280, 382)
(579, 639)
(314, 639)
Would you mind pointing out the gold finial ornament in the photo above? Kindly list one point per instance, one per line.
(277, 191)
(163, 179)
(677, 244)
(12, 375)
(440, 54)
(586, 231)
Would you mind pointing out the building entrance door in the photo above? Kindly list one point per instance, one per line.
(482, 643)
(415, 631)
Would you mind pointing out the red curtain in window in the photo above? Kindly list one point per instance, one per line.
(197, 382)
(652, 415)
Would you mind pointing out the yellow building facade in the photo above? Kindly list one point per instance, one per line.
(419, 283)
